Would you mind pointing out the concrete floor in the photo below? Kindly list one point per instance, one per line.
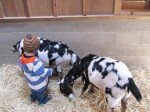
(125, 40)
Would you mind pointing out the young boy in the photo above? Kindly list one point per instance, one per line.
(35, 73)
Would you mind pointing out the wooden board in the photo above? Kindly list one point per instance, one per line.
(1, 11)
(19, 7)
(147, 4)
(54, 5)
(98, 7)
(25, 7)
(12, 8)
(134, 4)
(84, 8)
(69, 7)
(40, 7)
(134, 0)
(8, 7)
(118, 6)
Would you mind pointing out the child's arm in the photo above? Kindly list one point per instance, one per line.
(49, 71)
(40, 70)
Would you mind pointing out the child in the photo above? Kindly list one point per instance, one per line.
(35, 73)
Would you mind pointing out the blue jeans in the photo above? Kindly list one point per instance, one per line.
(41, 97)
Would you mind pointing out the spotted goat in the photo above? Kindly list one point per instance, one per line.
(51, 53)
(109, 75)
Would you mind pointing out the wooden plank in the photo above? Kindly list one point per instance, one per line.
(69, 7)
(25, 7)
(142, 12)
(19, 8)
(1, 11)
(133, 0)
(37, 18)
(147, 4)
(97, 7)
(134, 5)
(40, 7)
(54, 2)
(84, 3)
(118, 7)
(8, 7)
(13, 8)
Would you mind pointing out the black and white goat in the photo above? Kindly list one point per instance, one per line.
(109, 75)
(51, 52)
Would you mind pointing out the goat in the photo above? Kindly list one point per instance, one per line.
(51, 52)
(109, 75)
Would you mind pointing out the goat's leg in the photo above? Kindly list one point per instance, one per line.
(123, 106)
(85, 88)
(109, 109)
(114, 109)
(113, 103)
(59, 71)
(124, 102)
(91, 88)
(86, 84)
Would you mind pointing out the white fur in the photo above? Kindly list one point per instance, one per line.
(71, 96)
(43, 55)
(56, 46)
(74, 58)
(95, 77)
(62, 81)
(21, 46)
(72, 77)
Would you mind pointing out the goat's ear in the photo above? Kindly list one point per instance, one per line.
(13, 49)
(59, 82)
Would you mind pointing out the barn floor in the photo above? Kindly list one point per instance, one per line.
(14, 95)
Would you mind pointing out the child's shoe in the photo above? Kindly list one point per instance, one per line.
(48, 98)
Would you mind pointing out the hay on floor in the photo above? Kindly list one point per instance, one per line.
(14, 94)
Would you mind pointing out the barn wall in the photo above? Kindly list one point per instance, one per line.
(125, 40)
(51, 8)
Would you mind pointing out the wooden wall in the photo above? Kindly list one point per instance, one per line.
(37, 8)
(97, 7)
(14, 9)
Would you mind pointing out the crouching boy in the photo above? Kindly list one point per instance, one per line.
(36, 75)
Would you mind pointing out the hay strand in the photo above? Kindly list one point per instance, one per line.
(14, 94)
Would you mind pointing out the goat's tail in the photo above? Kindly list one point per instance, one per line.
(134, 90)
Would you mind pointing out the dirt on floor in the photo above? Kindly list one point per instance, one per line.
(14, 94)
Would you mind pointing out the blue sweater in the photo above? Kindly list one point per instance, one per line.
(35, 73)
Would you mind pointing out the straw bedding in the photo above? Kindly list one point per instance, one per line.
(14, 94)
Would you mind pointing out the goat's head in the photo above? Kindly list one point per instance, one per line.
(15, 47)
(66, 83)
(66, 89)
